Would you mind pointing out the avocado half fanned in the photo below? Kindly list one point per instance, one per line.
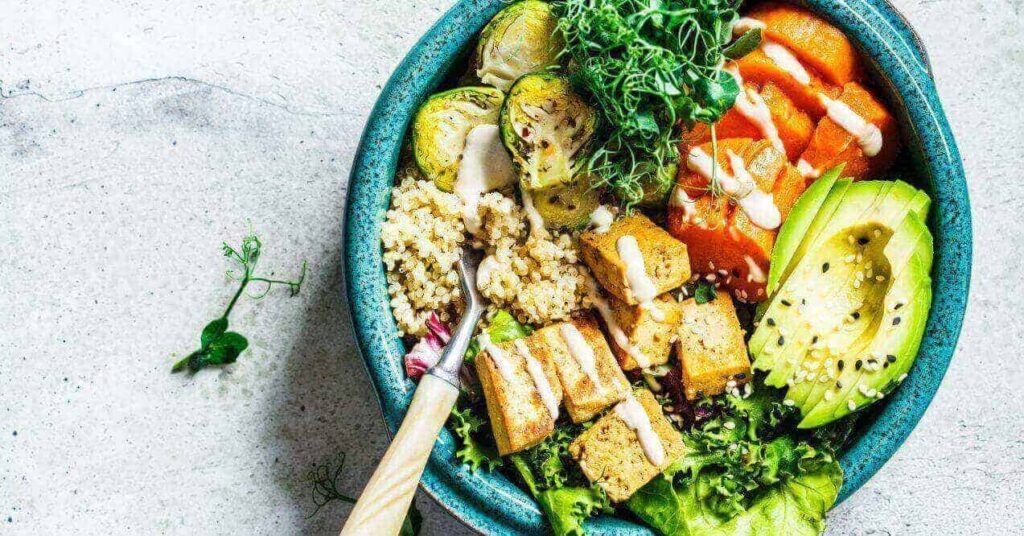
(850, 293)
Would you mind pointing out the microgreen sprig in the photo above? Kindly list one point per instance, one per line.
(649, 66)
(217, 345)
(324, 480)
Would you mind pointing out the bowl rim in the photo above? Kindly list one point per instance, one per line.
(490, 503)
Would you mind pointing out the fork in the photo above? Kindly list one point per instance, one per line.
(382, 506)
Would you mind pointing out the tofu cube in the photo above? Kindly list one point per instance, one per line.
(650, 338)
(710, 347)
(591, 378)
(519, 416)
(612, 455)
(666, 261)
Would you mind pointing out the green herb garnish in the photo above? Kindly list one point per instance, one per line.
(324, 479)
(704, 292)
(649, 65)
(217, 345)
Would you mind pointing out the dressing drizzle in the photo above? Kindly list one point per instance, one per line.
(540, 379)
(640, 285)
(756, 203)
(580, 351)
(633, 414)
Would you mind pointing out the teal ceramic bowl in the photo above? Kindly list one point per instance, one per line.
(490, 503)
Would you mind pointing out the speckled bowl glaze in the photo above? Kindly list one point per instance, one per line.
(490, 503)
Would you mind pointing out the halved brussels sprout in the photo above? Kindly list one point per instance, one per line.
(520, 39)
(567, 206)
(441, 125)
(546, 127)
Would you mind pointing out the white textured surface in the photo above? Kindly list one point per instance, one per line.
(135, 136)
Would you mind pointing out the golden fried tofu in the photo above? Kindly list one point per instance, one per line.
(591, 378)
(648, 340)
(520, 394)
(665, 260)
(616, 452)
(710, 347)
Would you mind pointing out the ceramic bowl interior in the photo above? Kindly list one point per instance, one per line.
(489, 502)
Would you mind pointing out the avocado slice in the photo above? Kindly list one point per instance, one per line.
(910, 241)
(800, 218)
(837, 306)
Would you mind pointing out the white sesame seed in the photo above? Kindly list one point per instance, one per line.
(902, 377)
(849, 238)
(789, 402)
(856, 284)
(880, 395)
(877, 233)
(879, 278)
(851, 404)
(850, 258)
(729, 425)
(723, 273)
(710, 277)
(828, 395)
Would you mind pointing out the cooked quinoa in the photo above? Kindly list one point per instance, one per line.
(536, 277)
(422, 237)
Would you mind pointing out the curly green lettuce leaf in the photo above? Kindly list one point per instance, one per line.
(473, 452)
(565, 507)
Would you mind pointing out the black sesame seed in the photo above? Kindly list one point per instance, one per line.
(814, 340)
(803, 301)
(863, 240)
(782, 340)
(786, 303)
(885, 365)
(858, 364)
(741, 376)
(872, 361)
(839, 384)
(896, 321)
(855, 315)
(897, 308)
(891, 358)
(700, 393)
(824, 267)
(771, 321)
(842, 365)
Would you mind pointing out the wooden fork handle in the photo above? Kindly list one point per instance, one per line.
(382, 507)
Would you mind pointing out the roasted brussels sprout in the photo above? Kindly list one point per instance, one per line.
(546, 127)
(567, 206)
(441, 125)
(520, 39)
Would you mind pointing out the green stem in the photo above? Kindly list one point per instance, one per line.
(245, 281)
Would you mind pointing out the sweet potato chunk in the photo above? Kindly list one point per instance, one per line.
(725, 246)
(832, 145)
(811, 39)
(794, 126)
(758, 68)
(612, 456)
(665, 258)
(710, 348)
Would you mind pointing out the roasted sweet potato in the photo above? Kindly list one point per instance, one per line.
(758, 68)
(793, 125)
(811, 39)
(832, 144)
(725, 246)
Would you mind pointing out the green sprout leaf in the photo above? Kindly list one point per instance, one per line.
(324, 480)
(746, 44)
(704, 292)
(217, 345)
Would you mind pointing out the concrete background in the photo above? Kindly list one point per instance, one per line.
(136, 136)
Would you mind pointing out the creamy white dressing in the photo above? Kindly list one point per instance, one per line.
(601, 219)
(497, 355)
(485, 166)
(754, 272)
(632, 413)
(540, 379)
(745, 24)
(756, 203)
(786, 61)
(681, 199)
(807, 170)
(580, 351)
(868, 136)
(618, 335)
(640, 285)
(483, 272)
(532, 216)
(752, 107)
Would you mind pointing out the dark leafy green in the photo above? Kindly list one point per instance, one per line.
(217, 345)
(704, 292)
(477, 448)
(648, 65)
